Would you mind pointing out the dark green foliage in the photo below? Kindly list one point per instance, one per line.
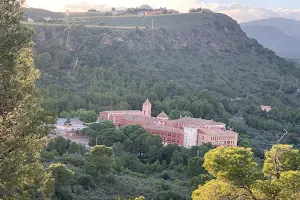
(109, 77)
(121, 171)
(176, 114)
(200, 151)
(86, 181)
(65, 114)
(76, 160)
(105, 133)
(23, 123)
(88, 116)
(200, 180)
(99, 160)
(83, 115)
(75, 148)
(61, 173)
(167, 152)
(195, 167)
(235, 76)
(244, 141)
(131, 162)
(124, 74)
(63, 176)
(59, 144)
(48, 156)
(177, 157)
(238, 124)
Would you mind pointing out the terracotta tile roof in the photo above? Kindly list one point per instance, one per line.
(163, 115)
(140, 118)
(199, 121)
(165, 128)
(123, 111)
(219, 132)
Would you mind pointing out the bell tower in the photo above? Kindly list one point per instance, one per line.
(147, 108)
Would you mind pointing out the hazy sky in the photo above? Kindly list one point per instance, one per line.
(240, 10)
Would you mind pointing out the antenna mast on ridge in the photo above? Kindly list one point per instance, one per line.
(67, 15)
(152, 23)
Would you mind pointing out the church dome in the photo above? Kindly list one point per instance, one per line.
(163, 115)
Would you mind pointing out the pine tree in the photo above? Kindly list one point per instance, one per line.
(23, 126)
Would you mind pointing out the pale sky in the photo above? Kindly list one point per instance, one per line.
(240, 10)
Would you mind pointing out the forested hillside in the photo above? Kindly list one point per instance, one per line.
(209, 52)
(205, 68)
(200, 64)
(116, 172)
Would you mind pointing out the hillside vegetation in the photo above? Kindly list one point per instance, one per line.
(37, 13)
(115, 172)
(210, 52)
(210, 69)
(201, 64)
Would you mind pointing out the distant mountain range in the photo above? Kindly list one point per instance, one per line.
(278, 34)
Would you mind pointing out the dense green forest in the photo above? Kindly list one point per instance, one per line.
(207, 68)
(129, 163)
(139, 165)
(23, 123)
(238, 175)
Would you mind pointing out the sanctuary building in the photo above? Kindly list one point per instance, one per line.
(185, 131)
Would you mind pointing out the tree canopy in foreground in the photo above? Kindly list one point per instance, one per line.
(23, 125)
(239, 177)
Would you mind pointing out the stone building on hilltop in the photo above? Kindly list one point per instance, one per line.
(185, 131)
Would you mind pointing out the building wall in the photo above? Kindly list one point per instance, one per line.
(266, 108)
(159, 12)
(147, 109)
(190, 137)
(74, 134)
(167, 137)
(116, 118)
(218, 126)
(141, 14)
(221, 140)
(103, 116)
(175, 131)
(226, 139)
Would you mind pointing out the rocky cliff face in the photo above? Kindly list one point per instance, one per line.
(202, 51)
(222, 35)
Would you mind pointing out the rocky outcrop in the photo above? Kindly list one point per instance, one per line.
(219, 33)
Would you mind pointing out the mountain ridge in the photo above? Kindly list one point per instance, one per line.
(273, 38)
(283, 38)
(206, 52)
(289, 26)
